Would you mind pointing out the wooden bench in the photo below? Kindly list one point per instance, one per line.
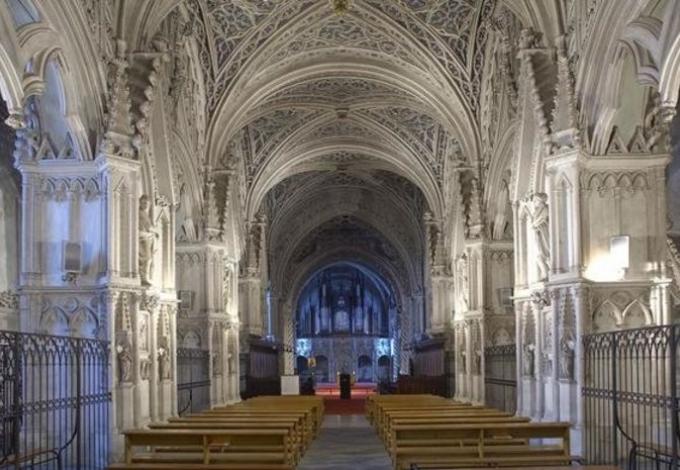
(426, 416)
(195, 466)
(295, 439)
(310, 413)
(384, 412)
(206, 446)
(562, 467)
(218, 414)
(397, 424)
(267, 433)
(495, 444)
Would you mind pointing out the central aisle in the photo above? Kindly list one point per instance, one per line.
(346, 443)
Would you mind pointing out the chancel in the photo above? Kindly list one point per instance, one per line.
(343, 323)
(376, 234)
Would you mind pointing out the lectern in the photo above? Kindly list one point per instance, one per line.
(345, 386)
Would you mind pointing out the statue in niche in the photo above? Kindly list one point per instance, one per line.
(144, 369)
(464, 281)
(547, 364)
(478, 363)
(529, 360)
(538, 210)
(163, 363)
(124, 356)
(147, 240)
(566, 359)
(226, 286)
(143, 335)
(216, 365)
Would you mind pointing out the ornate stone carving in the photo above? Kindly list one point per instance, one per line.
(150, 302)
(124, 357)
(164, 366)
(145, 369)
(147, 241)
(462, 269)
(537, 207)
(9, 299)
(566, 356)
(528, 360)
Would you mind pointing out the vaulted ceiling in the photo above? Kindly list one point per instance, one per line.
(349, 118)
(344, 114)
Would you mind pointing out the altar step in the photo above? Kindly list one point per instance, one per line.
(359, 390)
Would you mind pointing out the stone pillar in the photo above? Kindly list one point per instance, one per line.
(250, 300)
(442, 309)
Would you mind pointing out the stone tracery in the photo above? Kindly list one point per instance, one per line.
(463, 150)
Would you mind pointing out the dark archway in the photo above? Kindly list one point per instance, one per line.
(364, 369)
(384, 366)
(321, 369)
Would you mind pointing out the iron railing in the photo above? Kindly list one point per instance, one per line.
(54, 402)
(193, 380)
(630, 397)
(500, 379)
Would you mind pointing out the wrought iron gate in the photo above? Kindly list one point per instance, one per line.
(631, 397)
(500, 379)
(54, 401)
(193, 380)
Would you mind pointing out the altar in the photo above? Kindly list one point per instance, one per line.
(345, 324)
(359, 390)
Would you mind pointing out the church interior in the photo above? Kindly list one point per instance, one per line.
(334, 234)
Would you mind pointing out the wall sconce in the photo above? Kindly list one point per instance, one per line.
(619, 253)
(72, 262)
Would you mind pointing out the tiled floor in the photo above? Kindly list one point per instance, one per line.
(346, 443)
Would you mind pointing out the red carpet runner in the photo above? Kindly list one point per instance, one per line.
(335, 406)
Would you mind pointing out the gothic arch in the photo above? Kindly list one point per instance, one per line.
(669, 82)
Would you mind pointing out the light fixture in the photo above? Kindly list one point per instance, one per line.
(340, 7)
(619, 251)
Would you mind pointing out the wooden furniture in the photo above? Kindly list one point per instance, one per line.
(428, 432)
(265, 433)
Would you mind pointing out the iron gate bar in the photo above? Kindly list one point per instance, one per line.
(58, 387)
(193, 378)
(500, 380)
(630, 396)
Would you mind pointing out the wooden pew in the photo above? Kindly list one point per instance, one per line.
(213, 446)
(309, 426)
(390, 439)
(266, 433)
(573, 467)
(496, 444)
(383, 412)
(426, 416)
(295, 440)
(302, 435)
(197, 466)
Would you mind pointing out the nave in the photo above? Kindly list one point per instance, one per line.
(346, 443)
(209, 204)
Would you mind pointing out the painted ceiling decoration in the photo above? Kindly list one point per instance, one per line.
(344, 111)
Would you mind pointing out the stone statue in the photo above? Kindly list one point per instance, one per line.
(147, 241)
(144, 368)
(227, 285)
(538, 209)
(566, 359)
(216, 365)
(124, 363)
(478, 363)
(163, 364)
(529, 360)
(464, 281)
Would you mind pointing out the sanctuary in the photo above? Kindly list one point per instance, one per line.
(471, 207)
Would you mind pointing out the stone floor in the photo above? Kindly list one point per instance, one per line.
(346, 443)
